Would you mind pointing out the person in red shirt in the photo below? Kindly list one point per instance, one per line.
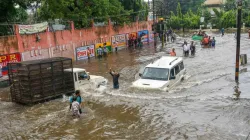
(173, 53)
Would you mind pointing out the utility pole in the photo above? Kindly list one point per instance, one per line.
(239, 7)
(155, 39)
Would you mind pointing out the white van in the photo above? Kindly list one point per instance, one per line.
(162, 74)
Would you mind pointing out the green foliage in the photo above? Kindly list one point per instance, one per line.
(11, 11)
(228, 19)
(207, 16)
(179, 13)
(83, 11)
(187, 5)
(189, 20)
(225, 19)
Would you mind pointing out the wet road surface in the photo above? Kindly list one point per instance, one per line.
(201, 107)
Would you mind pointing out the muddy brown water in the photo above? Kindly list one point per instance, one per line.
(201, 107)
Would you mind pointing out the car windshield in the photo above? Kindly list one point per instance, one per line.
(82, 75)
(155, 74)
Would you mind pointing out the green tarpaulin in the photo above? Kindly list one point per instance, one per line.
(196, 37)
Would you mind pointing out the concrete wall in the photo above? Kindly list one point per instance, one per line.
(63, 43)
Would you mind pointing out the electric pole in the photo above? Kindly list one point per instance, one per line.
(155, 39)
(239, 8)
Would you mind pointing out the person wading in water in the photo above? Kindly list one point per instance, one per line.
(173, 53)
(76, 98)
(115, 76)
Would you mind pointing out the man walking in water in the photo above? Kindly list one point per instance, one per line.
(115, 76)
(222, 32)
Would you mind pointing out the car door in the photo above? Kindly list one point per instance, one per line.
(182, 70)
(176, 72)
(172, 74)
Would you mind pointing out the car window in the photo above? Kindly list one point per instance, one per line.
(181, 66)
(155, 73)
(177, 69)
(82, 75)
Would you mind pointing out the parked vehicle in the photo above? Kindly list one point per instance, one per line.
(41, 80)
(162, 74)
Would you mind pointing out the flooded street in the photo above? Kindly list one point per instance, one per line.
(202, 107)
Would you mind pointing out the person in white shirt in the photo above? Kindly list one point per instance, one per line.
(186, 49)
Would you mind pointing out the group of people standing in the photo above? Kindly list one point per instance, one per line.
(170, 34)
(208, 41)
(103, 51)
(187, 48)
(134, 42)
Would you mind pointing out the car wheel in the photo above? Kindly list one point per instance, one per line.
(88, 77)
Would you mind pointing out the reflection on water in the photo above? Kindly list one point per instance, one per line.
(201, 107)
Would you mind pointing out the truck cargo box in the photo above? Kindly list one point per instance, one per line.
(40, 80)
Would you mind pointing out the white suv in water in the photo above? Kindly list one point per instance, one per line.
(162, 74)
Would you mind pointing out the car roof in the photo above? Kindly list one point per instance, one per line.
(165, 62)
(75, 70)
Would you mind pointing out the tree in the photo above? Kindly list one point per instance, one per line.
(187, 5)
(12, 11)
(138, 7)
(83, 11)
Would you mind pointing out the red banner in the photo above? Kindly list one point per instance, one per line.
(8, 58)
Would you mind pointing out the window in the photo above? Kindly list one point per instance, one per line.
(181, 66)
(177, 69)
(82, 75)
(155, 73)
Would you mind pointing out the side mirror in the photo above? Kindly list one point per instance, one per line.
(172, 77)
(140, 74)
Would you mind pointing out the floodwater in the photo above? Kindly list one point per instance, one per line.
(202, 107)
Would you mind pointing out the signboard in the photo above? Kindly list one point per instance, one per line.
(144, 36)
(119, 40)
(151, 36)
(82, 54)
(8, 58)
(131, 35)
(31, 29)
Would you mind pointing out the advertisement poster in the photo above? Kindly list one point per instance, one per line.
(81, 52)
(151, 36)
(131, 35)
(8, 58)
(119, 40)
(108, 45)
(144, 36)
